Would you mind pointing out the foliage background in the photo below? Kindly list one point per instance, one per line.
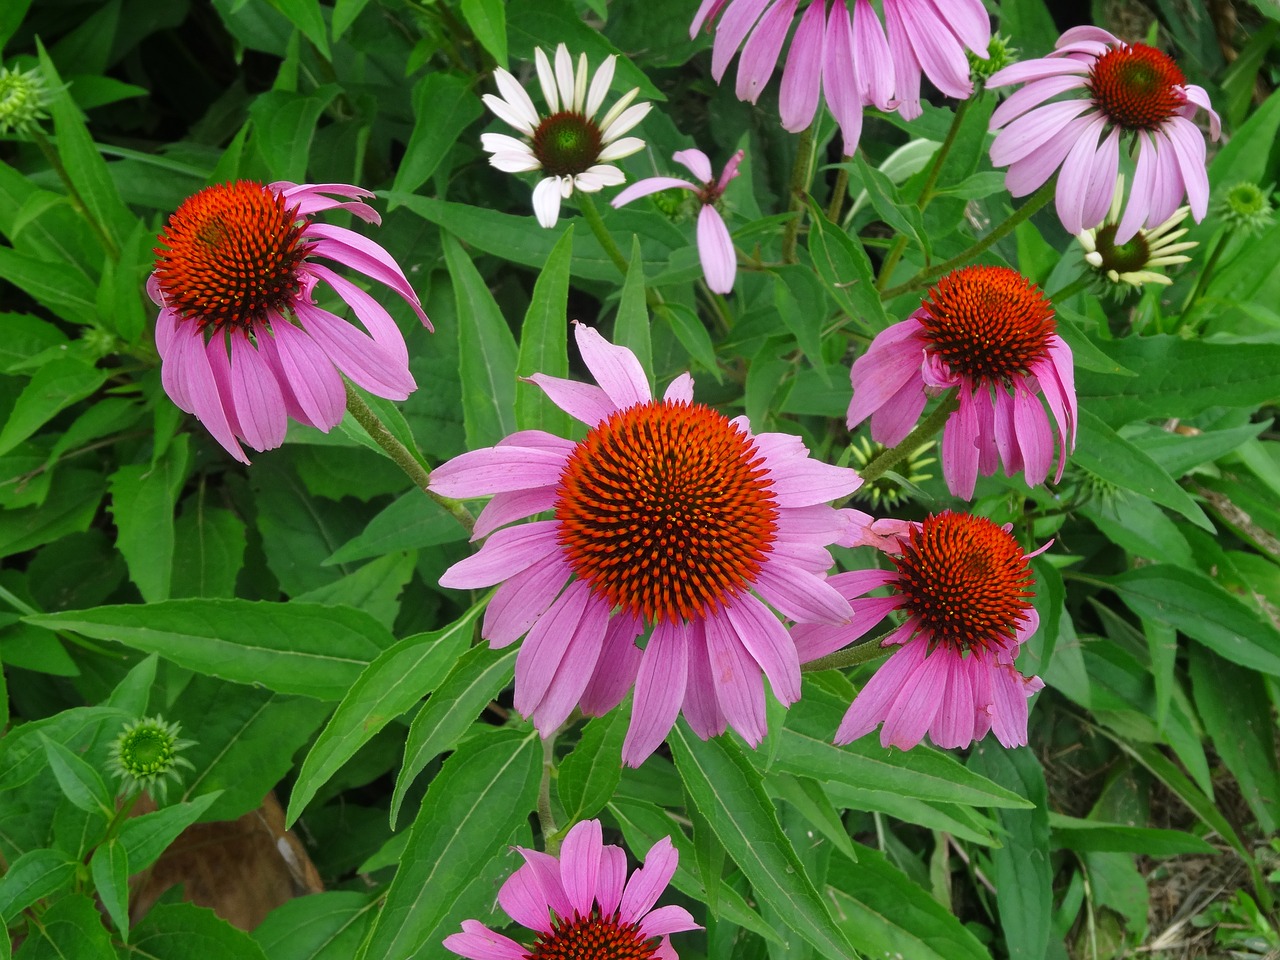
(288, 615)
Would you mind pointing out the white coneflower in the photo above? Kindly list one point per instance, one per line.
(568, 145)
(1131, 262)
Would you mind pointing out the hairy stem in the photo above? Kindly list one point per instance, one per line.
(799, 187)
(932, 424)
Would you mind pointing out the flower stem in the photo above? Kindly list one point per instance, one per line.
(403, 458)
(594, 221)
(799, 187)
(77, 201)
(550, 838)
(1024, 212)
(1080, 283)
(838, 192)
(940, 156)
(932, 424)
(861, 652)
(1202, 282)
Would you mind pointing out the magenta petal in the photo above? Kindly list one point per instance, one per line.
(953, 726)
(260, 409)
(615, 368)
(478, 942)
(544, 648)
(507, 508)
(580, 864)
(872, 60)
(307, 376)
(1189, 153)
(1140, 192)
(186, 375)
(960, 449)
(611, 879)
(715, 250)
(660, 684)
(872, 703)
(543, 870)
(802, 481)
(760, 55)
(503, 555)
(616, 668)
(917, 702)
(896, 418)
(768, 642)
(1009, 692)
(732, 30)
(1032, 95)
(647, 883)
(941, 56)
(802, 76)
(839, 77)
(801, 596)
(582, 401)
(372, 314)
(1075, 175)
(356, 354)
(1034, 437)
(668, 919)
(348, 247)
(575, 671)
(518, 603)
(701, 707)
(892, 361)
(525, 901)
(480, 473)
(736, 681)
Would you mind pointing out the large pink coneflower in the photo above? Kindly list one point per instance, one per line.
(849, 60)
(242, 344)
(669, 519)
(963, 584)
(583, 905)
(1112, 91)
(988, 333)
(715, 246)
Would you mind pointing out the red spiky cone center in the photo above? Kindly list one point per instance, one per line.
(988, 323)
(666, 510)
(967, 581)
(593, 938)
(1137, 87)
(230, 255)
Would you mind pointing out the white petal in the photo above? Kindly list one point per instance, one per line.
(515, 95)
(508, 114)
(618, 107)
(564, 76)
(628, 119)
(600, 85)
(546, 201)
(580, 84)
(621, 148)
(508, 161)
(547, 78)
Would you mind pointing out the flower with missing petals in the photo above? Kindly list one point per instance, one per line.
(715, 246)
(242, 344)
(964, 586)
(1114, 90)
(582, 905)
(1132, 262)
(989, 333)
(572, 149)
(670, 521)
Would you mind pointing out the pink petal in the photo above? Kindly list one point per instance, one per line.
(186, 375)
(372, 314)
(668, 919)
(1141, 192)
(1075, 176)
(349, 248)
(760, 55)
(1036, 70)
(616, 668)
(802, 76)
(582, 401)
(522, 599)
(260, 409)
(895, 419)
(732, 30)
(715, 250)
(839, 77)
(917, 702)
(941, 56)
(660, 686)
(478, 942)
(735, 681)
(680, 390)
(647, 883)
(873, 701)
(503, 555)
(544, 648)
(580, 864)
(1189, 152)
(801, 596)
(959, 447)
(892, 360)
(1032, 95)
(696, 162)
(615, 368)
(507, 508)
(1035, 440)
(872, 60)
(480, 473)
(643, 188)
(307, 376)
(356, 354)
(576, 668)
(953, 726)
(611, 878)
(768, 642)
(524, 899)
(701, 706)
(707, 11)
(1034, 129)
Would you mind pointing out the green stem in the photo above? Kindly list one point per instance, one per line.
(891, 262)
(403, 458)
(594, 221)
(838, 192)
(550, 838)
(1202, 282)
(877, 467)
(1082, 282)
(77, 201)
(1024, 212)
(800, 175)
(862, 652)
(940, 157)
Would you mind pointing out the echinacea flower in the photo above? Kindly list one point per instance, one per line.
(582, 905)
(989, 333)
(669, 519)
(849, 60)
(242, 344)
(963, 584)
(1247, 207)
(572, 149)
(715, 246)
(1132, 262)
(145, 756)
(1114, 91)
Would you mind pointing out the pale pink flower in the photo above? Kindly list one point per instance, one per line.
(1113, 91)
(670, 520)
(582, 904)
(568, 145)
(715, 246)
(242, 344)
(963, 584)
(988, 333)
(847, 59)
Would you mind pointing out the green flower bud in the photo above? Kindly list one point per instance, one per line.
(893, 487)
(1000, 53)
(23, 98)
(145, 756)
(1247, 207)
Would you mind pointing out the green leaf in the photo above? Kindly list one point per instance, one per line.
(1023, 874)
(110, 870)
(54, 284)
(344, 14)
(488, 21)
(478, 676)
(1074, 833)
(302, 648)
(885, 914)
(182, 931)
(487, 363)
(322, 925)
(142, 501)
(1201, 609)
(692, 335)
(481, 795)
(11, 17)
(444, 105)
(400, 677)
(375, 588)
(54, 387)
(411, 522)
(589, 775)
(284, 124)
(631, 328)
(71, 928)
(730, 795)
(903, 217)
(209, 545)
(80, 783)
(845, 268)
(306, 16)
(1085, 354)
(544, 342)
(33, 876)
(1103, 452)
(144, 838)
(802, 305)
(70, 507)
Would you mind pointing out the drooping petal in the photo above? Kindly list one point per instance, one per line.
(644, 188)
(735, 681)
(802, 76)
(660, 684)
(522, 599)
(546, 201)
(715, 250)
(260, 410)
(504, 554)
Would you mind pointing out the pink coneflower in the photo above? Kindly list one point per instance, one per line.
(849, 59)
(242, 345)
(670, 519)
(579, 906)
(989, 333)
(964, 585)
(572, 149)
(715, 247)
(1113, 89)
